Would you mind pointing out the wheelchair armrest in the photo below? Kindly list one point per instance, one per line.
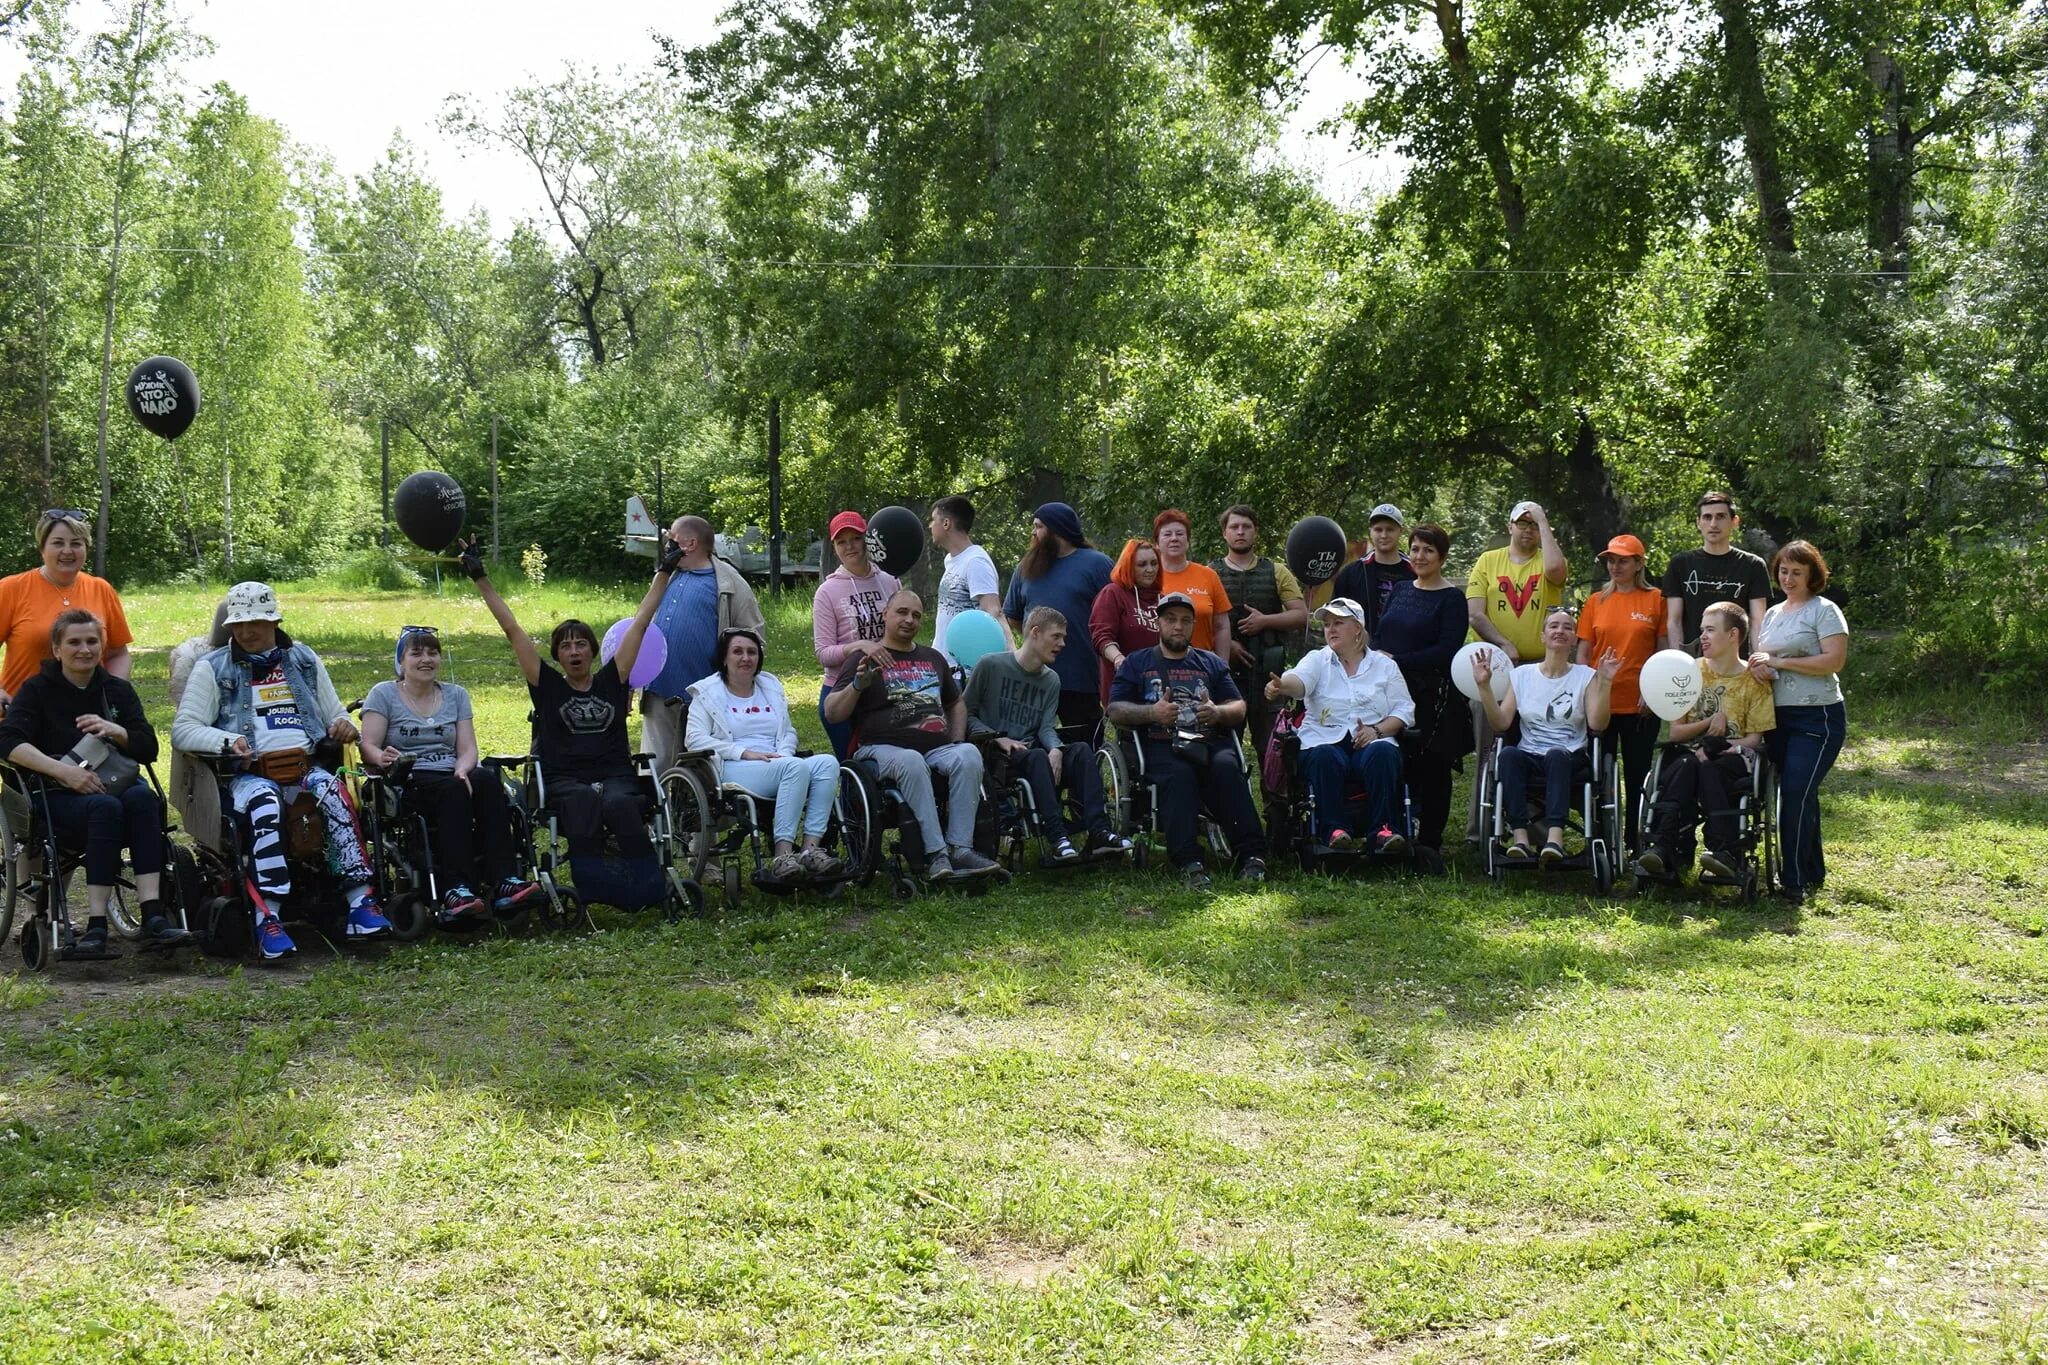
(396, 772)
(222, 766)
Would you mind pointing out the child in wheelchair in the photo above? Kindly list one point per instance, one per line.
(1713, 755)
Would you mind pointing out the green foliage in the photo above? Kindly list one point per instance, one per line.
(379, 570)
(1985, 618)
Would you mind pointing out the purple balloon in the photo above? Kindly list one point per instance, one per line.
(653, 655)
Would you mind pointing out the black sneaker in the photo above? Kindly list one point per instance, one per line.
(1107, 844)
(159, 933)
(1553, 853)
(92, 943)
(1196, 876)
(1653, 861)
(1254, 870)
(1064, 851)
(1720, 865)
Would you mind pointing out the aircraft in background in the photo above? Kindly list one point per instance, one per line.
(747, 552)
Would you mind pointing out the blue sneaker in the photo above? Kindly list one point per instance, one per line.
(272, 940)
(365, 920)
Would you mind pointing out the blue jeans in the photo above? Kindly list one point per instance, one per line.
(1560, 774)
(1804, 746)
(1330, 768)
(840, 732)
(802, 788)
(102, 825)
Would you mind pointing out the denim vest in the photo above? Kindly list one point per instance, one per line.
(237, 707)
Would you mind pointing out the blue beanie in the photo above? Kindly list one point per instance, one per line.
(1062, 521)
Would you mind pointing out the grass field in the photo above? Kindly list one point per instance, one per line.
(1076, 1121)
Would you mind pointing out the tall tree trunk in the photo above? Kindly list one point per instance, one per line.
(1890, 165)
(1601, 514)
(132, 100)
(1487, 130)
(1744, 69)
(43, 354)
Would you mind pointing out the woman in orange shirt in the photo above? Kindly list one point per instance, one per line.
(31, 600)
(1171, 533)
(1627, 617)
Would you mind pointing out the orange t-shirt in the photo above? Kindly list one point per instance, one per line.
(1200, 582)
(29, 602)
(1630, 624)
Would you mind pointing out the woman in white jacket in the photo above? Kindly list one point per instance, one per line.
(740, 715)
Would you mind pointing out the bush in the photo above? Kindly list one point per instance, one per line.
(379, 570)
(1987, 621)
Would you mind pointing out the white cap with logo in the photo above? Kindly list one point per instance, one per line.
(251, 602)
(1386, 511)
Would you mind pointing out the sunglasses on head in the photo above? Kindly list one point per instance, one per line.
(407, 632)
(64, 514)
(1561, 611)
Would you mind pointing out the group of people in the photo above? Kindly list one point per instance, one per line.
(1188, 658)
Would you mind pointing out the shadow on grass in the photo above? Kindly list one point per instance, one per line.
(695, 1022)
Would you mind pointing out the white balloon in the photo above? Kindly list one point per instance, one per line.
(1461, 670)
(1671, 683)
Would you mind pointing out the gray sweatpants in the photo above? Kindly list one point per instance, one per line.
(910, 773)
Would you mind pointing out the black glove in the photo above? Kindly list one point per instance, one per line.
(472, 559)
(671, 555)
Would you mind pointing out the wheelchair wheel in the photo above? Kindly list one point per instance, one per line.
(12, 850)
(685, 898)
(1602, 855)
(688, 807)
(408, 916)
(904, 889)
(1117, 789)
(37, 951)
(734, 883)
(859, 811)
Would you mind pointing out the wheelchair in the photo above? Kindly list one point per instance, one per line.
(1290, 823)
(1596, 806)
(1135, 814)
(731, 846)
(38, 869)
(1756, 813)
(677, 814)
(870, 810)
(1018, 821)
(226, 872)
(401, 842)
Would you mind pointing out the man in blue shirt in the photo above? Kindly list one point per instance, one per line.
(706, 596)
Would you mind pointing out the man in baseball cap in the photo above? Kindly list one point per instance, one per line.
(1183, 707)
(1370, 579)
(1507, 596)
(271, 704)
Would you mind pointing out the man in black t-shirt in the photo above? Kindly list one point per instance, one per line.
(1183, 706)
(1717, 572)
(1369, 580)
(910, 722)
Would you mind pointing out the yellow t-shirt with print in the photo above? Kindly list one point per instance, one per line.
(1517, 598)
(1747, 702)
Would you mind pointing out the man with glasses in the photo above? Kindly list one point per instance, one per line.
(1716, 572)
(705, 598)
(1507, 595)
(33, 598)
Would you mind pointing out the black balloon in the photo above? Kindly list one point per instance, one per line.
(895, 539)
(164, 396)
(1315, 550)
(429, 507)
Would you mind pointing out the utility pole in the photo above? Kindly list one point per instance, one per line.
(385, 535)
(775, 496)
(494, 488)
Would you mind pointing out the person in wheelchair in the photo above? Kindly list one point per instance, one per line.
(1013, 700)
(740, 716)
(1183, 708)
(70, 711)
(908, 720)
(271, 703)
(579, 729)
(1559, 703)
(1713, 753)
(416, 716)
(1356, 706)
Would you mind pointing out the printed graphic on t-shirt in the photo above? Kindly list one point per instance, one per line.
(1148, 617)
(1563, 708)
(913, 687)
(276, 709)
(1712, 589)
(432, 741)
(584, 714)
(1186, 683)
(1517, 599)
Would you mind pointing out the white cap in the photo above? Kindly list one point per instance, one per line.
(1343, 606)
(1389, 512)
(1522, 508)
(251, 602)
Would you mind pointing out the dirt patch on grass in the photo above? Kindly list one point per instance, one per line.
(138, 979)
(1982, 769)
(1334, 1336)
(1017, 1265)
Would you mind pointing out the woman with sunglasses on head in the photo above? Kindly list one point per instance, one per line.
(741, 715)
(417, 715)
(32, 599)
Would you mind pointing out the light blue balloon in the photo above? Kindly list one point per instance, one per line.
(972, 634)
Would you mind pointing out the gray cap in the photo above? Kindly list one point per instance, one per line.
(1386, 511)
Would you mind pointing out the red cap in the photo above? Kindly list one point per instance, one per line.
(1624, 545)
(847, 521)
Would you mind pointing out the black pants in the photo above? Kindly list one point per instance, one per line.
(1634, 738)
(1429, 783)
(1183, 790)
(1081, 708)
(1079, 777)
(1259, 715)
(586, 812)
(103, 825)
(467, 818)
(1693, 787)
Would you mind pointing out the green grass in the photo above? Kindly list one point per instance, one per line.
(1074, 1121)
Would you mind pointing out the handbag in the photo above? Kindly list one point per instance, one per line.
(282, 766)
(117, 772)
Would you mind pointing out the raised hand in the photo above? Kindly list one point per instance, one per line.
(1608, 668)
(471, 558)
(671, 555)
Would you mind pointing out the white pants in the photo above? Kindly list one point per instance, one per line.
(802, 787)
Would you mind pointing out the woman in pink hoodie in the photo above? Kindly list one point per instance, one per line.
(846, 613)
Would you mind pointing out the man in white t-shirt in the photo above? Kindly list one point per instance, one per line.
(969, 582)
